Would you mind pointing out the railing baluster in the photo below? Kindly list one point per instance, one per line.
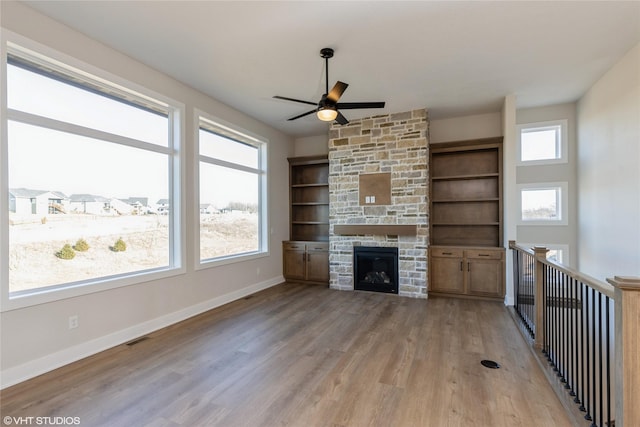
(583, 305)
(546, 316)
(572, 364)
(563, 334)
(532, 293)
(577, 315)
(556, 321)
(594, 396)
(587, 400)
(607, 326)
(600, 374)
(565, 341)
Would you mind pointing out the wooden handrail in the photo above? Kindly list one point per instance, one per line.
(600, 286)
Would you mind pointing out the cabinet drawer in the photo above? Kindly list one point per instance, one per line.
(317, 246)
(293, 246)
(483, 254)
(447, 252)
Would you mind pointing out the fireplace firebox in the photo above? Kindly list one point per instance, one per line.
(375, 269)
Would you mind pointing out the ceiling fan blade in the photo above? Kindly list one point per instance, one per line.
(353, 105)
(295, 100)
(303, 114)
(341, 119)
(336, 92)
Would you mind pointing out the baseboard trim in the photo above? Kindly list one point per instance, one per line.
(33, 368)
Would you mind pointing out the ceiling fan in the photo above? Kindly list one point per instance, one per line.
(328, 108)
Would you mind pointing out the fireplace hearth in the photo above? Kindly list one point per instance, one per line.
(375, 269)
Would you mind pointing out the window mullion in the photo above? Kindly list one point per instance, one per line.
(45, 122)
(230, 165)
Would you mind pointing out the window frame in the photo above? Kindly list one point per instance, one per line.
(244, 136)
(23, 47)
(562, 141)
(562, 199)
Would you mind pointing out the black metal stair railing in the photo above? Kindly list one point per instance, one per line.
(574, 329)
(524, 280)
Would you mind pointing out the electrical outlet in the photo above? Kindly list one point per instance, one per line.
(73, 321)
(258, 271)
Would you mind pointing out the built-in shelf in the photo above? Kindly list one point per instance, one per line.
(466, 193)
(309, 198)
(463, 177)
(310, 204)
(309, 185)
(488, 199)
(468, 224)
(310, 222)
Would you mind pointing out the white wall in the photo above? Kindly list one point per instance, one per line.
(466, 127)
(311, 146)
(37, 338)
(560, 172)
(609, 172)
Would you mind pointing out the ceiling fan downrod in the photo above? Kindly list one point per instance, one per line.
(326, 53)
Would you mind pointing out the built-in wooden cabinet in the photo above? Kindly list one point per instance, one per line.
(306, 261)
(306, 254)
(466, 257)
(447, 270)
(477, 272)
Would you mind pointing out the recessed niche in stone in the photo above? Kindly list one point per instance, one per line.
(375, 189)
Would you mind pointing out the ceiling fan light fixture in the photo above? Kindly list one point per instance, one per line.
(327, 113)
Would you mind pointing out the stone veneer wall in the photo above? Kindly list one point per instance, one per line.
(396, 144)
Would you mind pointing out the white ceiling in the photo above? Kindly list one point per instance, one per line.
(453, 58)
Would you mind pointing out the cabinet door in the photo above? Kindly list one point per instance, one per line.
(318, 265)
(447, 275)
(484, 277)
(294, 263)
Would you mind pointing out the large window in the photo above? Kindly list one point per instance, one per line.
(232, 193)
(91, 172)
(542, 143)
(543, 203)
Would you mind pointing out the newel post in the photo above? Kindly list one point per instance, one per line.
(627, 348)
(539, 302)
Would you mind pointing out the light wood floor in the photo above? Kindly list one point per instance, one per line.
(300, 355)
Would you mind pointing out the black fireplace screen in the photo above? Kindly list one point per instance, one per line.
(375, 269)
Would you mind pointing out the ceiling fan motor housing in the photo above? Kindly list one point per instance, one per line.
(326, 102)
(326, 52)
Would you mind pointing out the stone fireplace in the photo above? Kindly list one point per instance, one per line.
(378, 190)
